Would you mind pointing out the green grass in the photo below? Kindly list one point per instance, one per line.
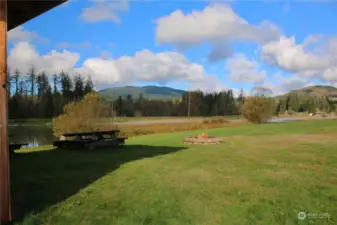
(261, 174)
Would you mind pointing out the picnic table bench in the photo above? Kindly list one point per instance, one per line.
(90, 139)
(16, 146)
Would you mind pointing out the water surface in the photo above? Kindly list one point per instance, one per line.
(34, 134)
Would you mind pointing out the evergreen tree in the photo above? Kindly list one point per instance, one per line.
(89, 86)
(79, 87)
(67, 87)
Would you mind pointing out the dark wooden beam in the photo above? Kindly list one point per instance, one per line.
(20, 11)
(13, 13)
(5, 205)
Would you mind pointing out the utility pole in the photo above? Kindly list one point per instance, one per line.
(189, 105)
(5, 203)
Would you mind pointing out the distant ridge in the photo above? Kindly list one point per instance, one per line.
(329, 91)
(148, 92)
(317, 91)
(167, 93)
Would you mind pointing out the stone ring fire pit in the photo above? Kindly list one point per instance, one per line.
(202, 139)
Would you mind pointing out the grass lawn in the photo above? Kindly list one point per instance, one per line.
(262, 174)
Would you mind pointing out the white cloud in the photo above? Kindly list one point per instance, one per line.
(146, 66)
(243, 70)
(280, 85)
(64, 45)
(296, 58)
(217, 23)
(21, 34)
(237, 91)
(292, 57)
(219, 52)
(104, 10)
(312, 39)
(23, 56)
(105, 54)
(292, 82)
(209, 84)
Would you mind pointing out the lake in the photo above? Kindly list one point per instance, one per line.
(34, 134)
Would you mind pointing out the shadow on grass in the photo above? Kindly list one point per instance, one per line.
(44, 178)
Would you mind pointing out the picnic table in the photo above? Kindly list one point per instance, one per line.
(90, 139)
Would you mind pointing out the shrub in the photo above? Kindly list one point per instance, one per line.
(81, 116)
(215, 120)
(258, 109)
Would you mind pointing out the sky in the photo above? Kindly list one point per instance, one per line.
(206, 45)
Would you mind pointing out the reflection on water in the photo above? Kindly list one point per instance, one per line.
(33, 134)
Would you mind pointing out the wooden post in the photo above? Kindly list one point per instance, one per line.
(5, 205)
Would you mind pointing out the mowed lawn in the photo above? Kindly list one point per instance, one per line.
(261, 174)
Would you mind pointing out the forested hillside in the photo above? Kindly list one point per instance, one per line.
(309, 99)
(148, 92)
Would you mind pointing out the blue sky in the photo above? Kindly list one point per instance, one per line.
(93, 43)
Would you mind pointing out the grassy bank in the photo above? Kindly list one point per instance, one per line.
(261, 174)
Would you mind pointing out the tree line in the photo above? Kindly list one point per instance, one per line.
(195, 103)
(294, 102)
(35, 95)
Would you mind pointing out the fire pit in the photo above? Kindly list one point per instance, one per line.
(202, 139)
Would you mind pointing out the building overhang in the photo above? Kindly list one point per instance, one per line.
(20, 11)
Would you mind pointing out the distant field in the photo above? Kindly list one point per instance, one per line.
(261, 174)
(124, 119)
(12, 121)
(133, 119)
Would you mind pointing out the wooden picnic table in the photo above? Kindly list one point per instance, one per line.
(90, 139)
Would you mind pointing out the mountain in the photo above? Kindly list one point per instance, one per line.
(321, 90)
(148, 92)
(317, 91)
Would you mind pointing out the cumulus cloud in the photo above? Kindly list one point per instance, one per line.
(219, 52)
(105, 54)
(104, 10)
(145, 65)
(216, 23)
(209, 84)
(68, 45)
(295, 58)
(243, 70)
(292, 82)
(280, 84)
(23, 56)
(21, 34)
